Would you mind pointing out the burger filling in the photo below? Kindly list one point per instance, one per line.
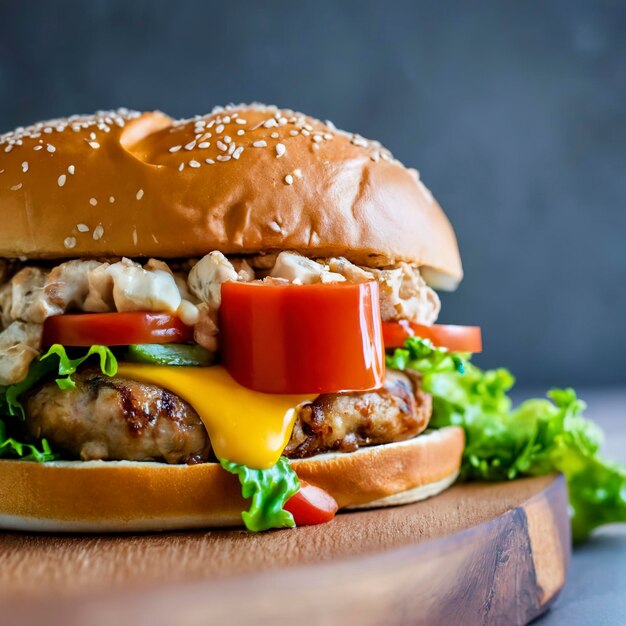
(161, 388)
(191, 290)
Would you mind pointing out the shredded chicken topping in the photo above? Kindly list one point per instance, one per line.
(34, 293)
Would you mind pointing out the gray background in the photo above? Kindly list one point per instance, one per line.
(515, 113)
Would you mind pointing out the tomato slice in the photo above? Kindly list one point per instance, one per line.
(322, 338)
(311, 505)
(455, 338)
(115, 329)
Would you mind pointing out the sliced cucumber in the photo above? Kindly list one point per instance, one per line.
(170, 354)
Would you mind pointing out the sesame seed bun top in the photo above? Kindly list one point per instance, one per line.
(242, 180)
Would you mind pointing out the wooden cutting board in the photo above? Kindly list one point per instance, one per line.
(476, 554)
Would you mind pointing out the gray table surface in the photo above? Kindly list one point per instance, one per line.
(595, 592)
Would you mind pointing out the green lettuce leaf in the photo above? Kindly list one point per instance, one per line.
(13, 449)
(269, 489)
(538, 437)
(67, 366)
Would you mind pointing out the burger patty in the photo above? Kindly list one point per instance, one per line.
(344, 422)
(119, 419)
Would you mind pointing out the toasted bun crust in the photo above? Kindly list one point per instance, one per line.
(112, 185)
(125, 496)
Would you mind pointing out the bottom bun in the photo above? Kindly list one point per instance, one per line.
(123, 496)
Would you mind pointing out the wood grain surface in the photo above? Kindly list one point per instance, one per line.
(477, 554)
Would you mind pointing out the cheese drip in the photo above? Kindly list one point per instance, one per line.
(244, 426)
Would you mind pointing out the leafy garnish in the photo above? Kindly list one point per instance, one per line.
(11, 448)
(539, 437)
(269, 489)
(67, 366)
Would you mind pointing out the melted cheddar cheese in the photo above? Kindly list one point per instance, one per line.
(244, 426)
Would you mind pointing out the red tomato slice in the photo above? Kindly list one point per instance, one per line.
(455, 338)
(114, 329)
(311, 505)
(321, 338)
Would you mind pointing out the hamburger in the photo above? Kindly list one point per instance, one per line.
(196, 317)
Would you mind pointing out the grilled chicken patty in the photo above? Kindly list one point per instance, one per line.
(117, 419)
(120, 419)
(344, 422)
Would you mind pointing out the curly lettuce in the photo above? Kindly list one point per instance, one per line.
(269, 489)
(538, 437)
(11, 448)
(55, 361)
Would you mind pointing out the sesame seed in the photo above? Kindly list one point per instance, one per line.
(16, 187)
(69, 242)
(71, 169)
(98, 231)
(82, 228)
(93, 201)
(48, 131)
(275, 226)
(92, 136)
(231, 148)
(191, 145)
(135, 237)
(227, 139)
(9, 148)
(174, 148)
(223, 157)
(181, 167)
(111, 199)
(270, 123)
(280, 150)
(50, 148)
(294, 133)
(241, 131)
(237, 152)
(209, 161)
(219, 129)
(94, 144)
(193, 163)
(298, 173)
(260, 144)
(61, 180)
(317, 138)
(204, 145)
(305, 132)
(38, 148)
(25, 166)
(240, 121)
(274, 135)
(139, 194)
(222, 146)
(289, 179)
